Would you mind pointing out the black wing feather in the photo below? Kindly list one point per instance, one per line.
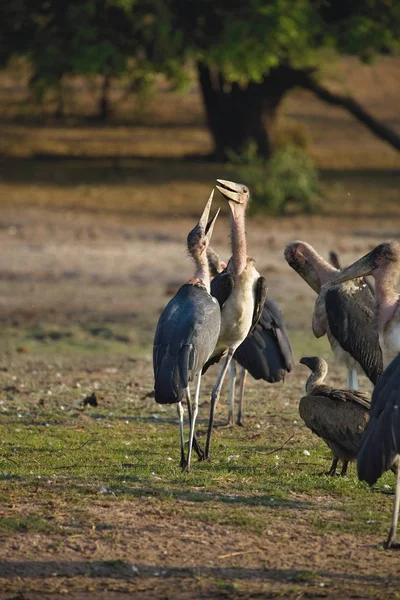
(186, 335)
(260, 297)
(266, 353)
(351, 321)
(381, 441)
(222, 286)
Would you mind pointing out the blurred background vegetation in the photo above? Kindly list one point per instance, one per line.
(244, 59)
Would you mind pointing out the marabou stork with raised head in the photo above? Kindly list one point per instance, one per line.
(383, 263)
(241, 293)
(266, 352)
(186, 335)
(345, 313)
(380, 448)
(339, 417)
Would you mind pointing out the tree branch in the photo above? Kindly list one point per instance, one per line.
(377, 127)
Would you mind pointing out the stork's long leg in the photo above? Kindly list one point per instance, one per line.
(214, 400)
(352, 378)
(193, 419)
(242, 383)
(195, 444)
(343, 472)
(232, 385)
(180, 415)
(395, 515)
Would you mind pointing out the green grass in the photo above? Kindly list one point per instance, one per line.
(122, 460)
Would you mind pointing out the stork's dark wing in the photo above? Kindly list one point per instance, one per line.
(266, 353)
(381, 442)
(260, 297)
(340, 424)
(222, 286)
(186, 335)
(351, 321)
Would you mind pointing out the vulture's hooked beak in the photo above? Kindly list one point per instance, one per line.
(232, 191)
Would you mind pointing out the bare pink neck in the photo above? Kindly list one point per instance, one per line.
(202, 271)
(387, 298)
(239, 244)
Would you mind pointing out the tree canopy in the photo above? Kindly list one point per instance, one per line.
(242, 44)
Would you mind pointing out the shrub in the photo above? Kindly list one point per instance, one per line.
(288, 183)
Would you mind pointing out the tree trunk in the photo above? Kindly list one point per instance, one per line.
(104, 104)
(236, 115)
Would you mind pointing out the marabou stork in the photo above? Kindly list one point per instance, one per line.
(186, 335)
(383, 263)
(339, 417)
(242, 293)
(266, 353)
(380, 448)
(345, 313)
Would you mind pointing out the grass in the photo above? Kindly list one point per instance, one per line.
(244, 486)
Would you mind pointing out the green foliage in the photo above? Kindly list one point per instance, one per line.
(287, 183)
(243, 39)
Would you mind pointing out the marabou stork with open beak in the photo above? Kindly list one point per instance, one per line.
(345, 313)
(240, 291)
(186, 335)
(383, 263)
(266, 353)
(339, 417)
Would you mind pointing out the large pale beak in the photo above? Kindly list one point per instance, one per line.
(206, 213)
(210, 226)
(303, 267)
(231, 190)
(363, 266)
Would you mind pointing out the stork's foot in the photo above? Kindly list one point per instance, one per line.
(240, 423)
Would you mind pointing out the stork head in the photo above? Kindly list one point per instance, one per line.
(199, 238)
(319, 369)
(237, 194)
(301, 257)
(372, 263)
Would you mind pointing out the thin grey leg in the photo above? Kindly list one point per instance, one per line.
(395, 515)
(242, 383)
(196, 446)
(214, 400)
(232, 385)
(180, 415)
(343, 472)
(193, 419)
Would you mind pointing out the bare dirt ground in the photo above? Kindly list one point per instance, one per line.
(93, 225)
